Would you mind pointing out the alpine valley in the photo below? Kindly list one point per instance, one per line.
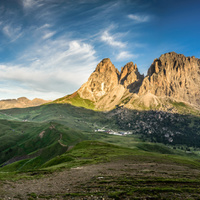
(121, 135)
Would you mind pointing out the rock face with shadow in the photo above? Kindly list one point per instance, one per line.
(101, 81)
(107, 86)
(175, 76)
(172, 81)
(130, 77)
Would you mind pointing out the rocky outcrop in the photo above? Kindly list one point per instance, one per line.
(175, 76)
(21, 102)
(107, 86)
(101, 81)
(130, 77)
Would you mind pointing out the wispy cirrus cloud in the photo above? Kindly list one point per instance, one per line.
(48, 34)
(124, 55)
(12, 32)
(31, 3)
(28, 3)
(120, 49)
(112, 40)
(60, 65)
(139, 18)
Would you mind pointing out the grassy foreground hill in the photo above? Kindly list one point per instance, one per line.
(26, 145)
(96, 170)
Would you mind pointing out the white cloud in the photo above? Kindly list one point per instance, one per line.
(112, 40)
(124, 55)
(16, 91)
(45, 26)
(12, 32)
(31, 3)
(55, 67)
(27, 3)
(48, 34)
(6, 31)
(139, 18)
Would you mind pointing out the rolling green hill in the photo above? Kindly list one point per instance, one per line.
(33, 144)
(152, 126)
(39, 148)
(32, 138)
(72, 116)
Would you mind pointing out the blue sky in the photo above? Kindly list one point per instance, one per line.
(48, 48)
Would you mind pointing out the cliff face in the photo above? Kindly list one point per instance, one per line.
(130, 77)
(101, 81)
(106, 86)
(175, 76)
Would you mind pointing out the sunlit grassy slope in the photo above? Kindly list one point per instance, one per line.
(75, 100)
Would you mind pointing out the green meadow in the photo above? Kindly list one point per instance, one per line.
(45, 141)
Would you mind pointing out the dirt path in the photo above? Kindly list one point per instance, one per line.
(100, 181)
(63, 145)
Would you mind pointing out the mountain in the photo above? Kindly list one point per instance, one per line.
(107, 87)
(172, 84)
(175, 76)
(21, 102)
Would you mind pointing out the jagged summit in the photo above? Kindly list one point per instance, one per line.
(171, 60)
(175, 76)
(171, 77)
(126, 70)
(130, 77)
(106, 79)
(105, 65)
(101, 81)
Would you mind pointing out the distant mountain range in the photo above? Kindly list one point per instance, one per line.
(172, 84)
(21, 102)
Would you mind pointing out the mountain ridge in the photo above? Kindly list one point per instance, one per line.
(171, 78)
(21, 102)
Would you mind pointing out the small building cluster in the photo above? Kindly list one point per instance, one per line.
(111, 132)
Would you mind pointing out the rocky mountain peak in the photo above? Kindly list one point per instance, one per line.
(106, 85)
(171, 76)
(127, 69)
(175, 76)
(130, 77)
(106, 66)
(101, 81)
(171, 61)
